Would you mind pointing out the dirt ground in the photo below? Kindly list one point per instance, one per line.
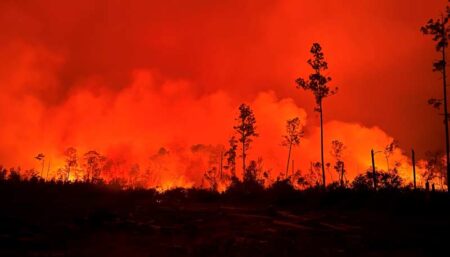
(53, 223)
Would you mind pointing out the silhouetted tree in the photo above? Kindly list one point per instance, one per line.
(318, 84)
(294, 132)
(134, 176)
(93, 162)
(433, 166)
(328, 165)
(14, 175)
(254, 174)
(299, 181)
(389, 150)
(252, 183)
(231, 156)
(246, 130)
(391, 179)
(440, 32)
(31, 174)
(443, 174)
(363, 181)
(312, 178)
(337, 151)
(71, 161)
(3, 173)
(41, 157)
(61, 174)
(386, 180)
(211, 177)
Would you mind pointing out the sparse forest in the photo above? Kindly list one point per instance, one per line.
(223, 174)
(92, 203)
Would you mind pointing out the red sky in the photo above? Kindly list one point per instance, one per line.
(139, 75)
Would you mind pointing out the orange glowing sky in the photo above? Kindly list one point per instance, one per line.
(129, 77)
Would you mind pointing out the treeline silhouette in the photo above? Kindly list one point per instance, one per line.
(252, 183)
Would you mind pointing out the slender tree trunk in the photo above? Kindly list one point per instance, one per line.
(289, 158)
(414, 167)
(243, 158)
(42, 170)
(321, 144)
(447, 146)
(373, 170)
(342, 174)
(48, 169)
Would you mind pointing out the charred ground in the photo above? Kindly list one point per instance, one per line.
(81, 219)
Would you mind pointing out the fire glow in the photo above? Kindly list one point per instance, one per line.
(182, 142)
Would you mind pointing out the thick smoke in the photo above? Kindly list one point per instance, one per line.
(161, 125)
(131, 79)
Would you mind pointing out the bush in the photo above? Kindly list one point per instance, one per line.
(385, 180)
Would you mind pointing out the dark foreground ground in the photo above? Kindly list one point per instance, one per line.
(83, 220)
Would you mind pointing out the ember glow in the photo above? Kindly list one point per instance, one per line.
(154, 86)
